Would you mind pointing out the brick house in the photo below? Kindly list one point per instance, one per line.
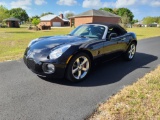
(12, 22)
(54, 21)
(93, 16)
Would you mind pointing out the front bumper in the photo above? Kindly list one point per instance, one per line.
(36, 67)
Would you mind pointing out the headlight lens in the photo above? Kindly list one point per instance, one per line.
(58, 52)
(33, 42)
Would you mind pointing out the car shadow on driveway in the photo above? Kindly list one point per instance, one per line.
(110, 72)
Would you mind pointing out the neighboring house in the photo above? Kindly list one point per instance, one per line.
(154, 24)
(54, 21)
(12, 22)
(93, 16)
(139, 24)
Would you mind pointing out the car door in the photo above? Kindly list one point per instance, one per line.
(114, 46)
(96, 43)
(96, 48)
(120, 43)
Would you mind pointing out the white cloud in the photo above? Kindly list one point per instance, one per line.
(40, 2)
(144, 1)
(155, 3)
(95, 4)
(99, 3)
(66, 12)
(67, 2)
(3, 3)
(124, 3)
(119, 3)
(25, 4)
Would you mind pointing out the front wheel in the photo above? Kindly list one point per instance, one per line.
(129, 55)
(78, 68)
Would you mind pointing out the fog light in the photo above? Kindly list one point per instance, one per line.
(50, 68)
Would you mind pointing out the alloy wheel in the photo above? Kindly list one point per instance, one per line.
(132, 51)
(80, 67)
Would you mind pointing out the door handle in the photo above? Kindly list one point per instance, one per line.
(123, 39)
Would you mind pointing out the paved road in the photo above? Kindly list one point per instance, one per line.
(24, 96)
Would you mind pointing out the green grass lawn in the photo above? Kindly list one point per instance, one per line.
(13, 41)
(145, 32)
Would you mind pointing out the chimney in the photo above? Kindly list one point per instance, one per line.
(61, 16)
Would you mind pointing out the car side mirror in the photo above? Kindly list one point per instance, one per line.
(112, 35)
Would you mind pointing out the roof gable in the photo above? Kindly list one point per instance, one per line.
(57, 18)
(48, 17)
(94, 12)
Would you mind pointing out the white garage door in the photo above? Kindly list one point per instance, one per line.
(56, 24)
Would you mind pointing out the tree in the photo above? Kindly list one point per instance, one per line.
(148, 20)
(156, 19)
(31, 18)
(3, 13)
(108, 10)
(47, 13)
(125, 12)
(134, 21)
(70, 14)
(125, 20)
(19, 13)
(35, 21)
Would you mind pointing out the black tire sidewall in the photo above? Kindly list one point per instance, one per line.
(69, 75)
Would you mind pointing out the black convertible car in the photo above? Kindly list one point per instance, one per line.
(71, 56)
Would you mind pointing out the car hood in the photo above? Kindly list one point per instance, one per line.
(50, 42)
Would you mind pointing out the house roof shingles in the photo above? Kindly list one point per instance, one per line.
(11, 19)
(50, 17)
(94, 12)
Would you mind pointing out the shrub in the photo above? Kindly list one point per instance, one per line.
(35, 21)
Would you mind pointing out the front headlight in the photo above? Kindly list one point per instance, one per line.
(33, 41)
(58, 52)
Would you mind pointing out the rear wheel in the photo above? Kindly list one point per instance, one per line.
(78, 68)
(129, 55)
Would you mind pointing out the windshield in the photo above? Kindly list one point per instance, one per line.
(91, 31)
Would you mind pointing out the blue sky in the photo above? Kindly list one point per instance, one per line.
(140, 8)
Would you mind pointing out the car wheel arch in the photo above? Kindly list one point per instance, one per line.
(132, 41)
(81, 51)
(84, 51)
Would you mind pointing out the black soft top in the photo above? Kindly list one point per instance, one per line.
(110, 25)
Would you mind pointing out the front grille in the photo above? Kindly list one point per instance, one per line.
(31, 64)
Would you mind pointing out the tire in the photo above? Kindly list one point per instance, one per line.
(78, 68)
(130, 53)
